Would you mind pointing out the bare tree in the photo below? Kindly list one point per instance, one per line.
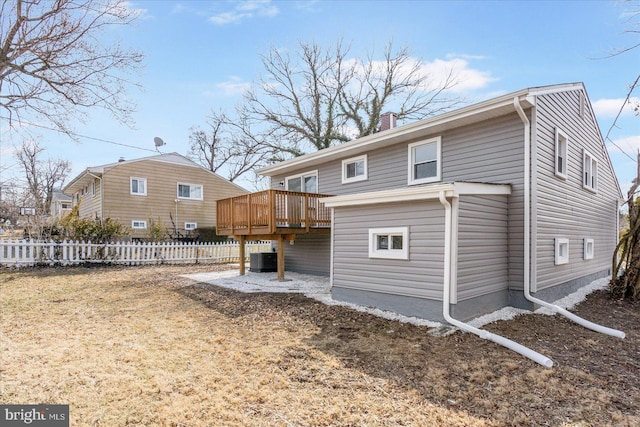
(321, 96)
(229, 146)
(42, 176)
(57, 59)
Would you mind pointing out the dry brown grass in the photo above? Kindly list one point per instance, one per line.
(141, 346)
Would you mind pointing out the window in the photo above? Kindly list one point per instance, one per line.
(562, 251)
(590, 172)
(588, 248)
(354, 169)
(138, 224)
(389, 243)
(139, 186)
(424, 161)
(582, 102)
(562, 150)
(190, 191)
(306, 182)
(190, 226)
(65, 206)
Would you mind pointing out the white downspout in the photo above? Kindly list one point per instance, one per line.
(101, 196)
(512, 345)
(527, 238)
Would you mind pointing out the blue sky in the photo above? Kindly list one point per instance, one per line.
(201, 55)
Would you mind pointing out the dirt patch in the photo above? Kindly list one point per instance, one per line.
(142, 346)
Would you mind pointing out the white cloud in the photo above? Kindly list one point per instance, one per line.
(627, 145)
(610, 107)
(466, 56)
(234, 86)
(246, 10)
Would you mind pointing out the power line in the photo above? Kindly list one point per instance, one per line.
(626, 101)
(84, 136)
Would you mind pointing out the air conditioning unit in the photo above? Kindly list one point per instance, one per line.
(262, 262)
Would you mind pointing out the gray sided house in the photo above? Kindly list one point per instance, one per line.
(511, 193)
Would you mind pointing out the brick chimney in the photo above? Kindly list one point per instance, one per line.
(387, 121)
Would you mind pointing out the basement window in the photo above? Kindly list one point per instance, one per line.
(138, 224)
(562, 251)
(190, 226)
(392, 243)
(588, 248)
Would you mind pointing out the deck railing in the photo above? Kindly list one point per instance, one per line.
(271, 212)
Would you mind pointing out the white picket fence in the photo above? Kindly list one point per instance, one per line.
(26, 253)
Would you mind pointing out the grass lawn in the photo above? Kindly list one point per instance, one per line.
(140, 346)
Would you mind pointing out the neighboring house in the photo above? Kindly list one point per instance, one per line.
(166, 187)
(511, 193)
(60, 204)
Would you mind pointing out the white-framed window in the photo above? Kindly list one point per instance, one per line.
(190, 226)
(190, 191)
(354, 169)
(582, 103)
(425, 161)
(139, 224)
(138, 186)
(589, 248)
(589, 172)
(562, 151)
(306, 182)
(389, 243)
(562, 251)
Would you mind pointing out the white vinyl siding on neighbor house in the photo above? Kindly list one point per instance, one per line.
(138, 224)
(354, 169)
(306, 182)
(392, 243)
(425, 161)
(590, 172)
(138, 186)
(190, 191)
(562, 144)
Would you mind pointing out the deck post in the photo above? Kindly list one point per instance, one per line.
(241, 249)
(281, 257)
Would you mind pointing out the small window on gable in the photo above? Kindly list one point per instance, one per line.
(582, 102)
(138, 186)
(190, 191)
(589, 172)
(138, 224)
(562, 151)
(190, 226)
(562, 251)
(424, 161)
(588, 248)
(354, 169)
(390, 243)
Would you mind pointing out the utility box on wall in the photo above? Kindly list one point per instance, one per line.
(263, 262)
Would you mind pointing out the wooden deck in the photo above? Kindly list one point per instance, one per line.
(272, 215)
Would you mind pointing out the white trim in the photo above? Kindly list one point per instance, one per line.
(358, 159)
(141, 224)
(187, 224)
(589, 248)
(559, 137)
(411, 180)
(303, 175)
(144, 193)
(593, 172)
(426, 192)
(190, 185)
(390, 253)
(333, 221)
(455, 221)
(561, 251)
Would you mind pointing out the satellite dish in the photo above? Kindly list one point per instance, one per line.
(158, 141)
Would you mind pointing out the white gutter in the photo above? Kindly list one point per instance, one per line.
(527, 237)
(512, 345)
